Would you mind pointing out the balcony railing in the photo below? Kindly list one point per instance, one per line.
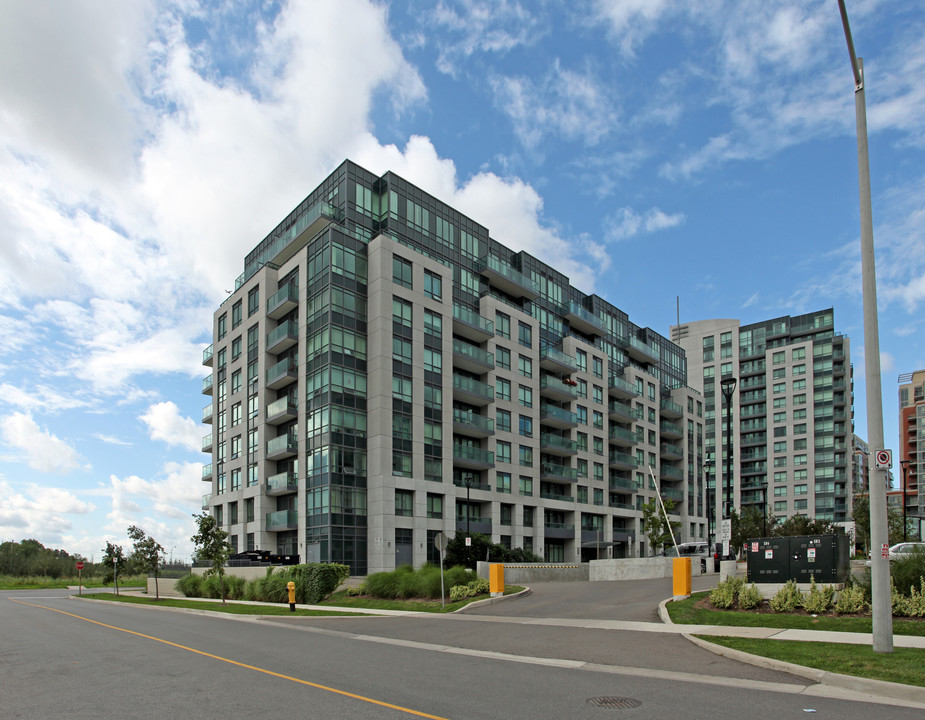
(471, 325)
(552, 358)
(472, 457)
(583, 320)
(207, 413)
(284, 482)
(553, 387)
(466, 421)
(283, 337)
(472, 391)
(557, 417)
(207, 443)
(621, 436)
(558, 445)
(282, 446)
(508, 279)
(207, 356)
(283, 301)
(620, 412)
(670, 408)
(282, 410)
(619, 387)
(281, 374)
(471, 358)
(282, 520)
(621, 460)
(207, 472)
(560, 473)
(207, 385)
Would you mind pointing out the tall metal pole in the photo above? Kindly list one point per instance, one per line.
(903, 464)
(881, 605)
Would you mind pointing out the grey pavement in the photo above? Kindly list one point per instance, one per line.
(611, 627)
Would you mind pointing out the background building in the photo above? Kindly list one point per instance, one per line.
(385, 371)
(911, 466)
(792, 411)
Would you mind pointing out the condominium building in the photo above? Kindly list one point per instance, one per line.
(911, 466)
(385, 371)
(792, 416)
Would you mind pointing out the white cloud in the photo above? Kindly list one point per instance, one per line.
(42, 397)
(175, 496)
(40, 511)
(166, 424)
(631, 21)
(628, 223)
(43, 451)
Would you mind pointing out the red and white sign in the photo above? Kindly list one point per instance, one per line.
(885, 551)
(884, 459)
(80, 566)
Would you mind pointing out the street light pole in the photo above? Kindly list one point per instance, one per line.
(728, 386)
(904, 464)
(468, 506)
(881, 601)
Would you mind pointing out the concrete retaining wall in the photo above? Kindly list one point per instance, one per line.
(631, 569)
(166, 587)
(522, 573)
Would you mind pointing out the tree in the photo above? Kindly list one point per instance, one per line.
(894, 522)
(654, 524)
(212, 547)
(113, 564)
(803, 525)
(482, 548)
(750, 524)
(147, 554)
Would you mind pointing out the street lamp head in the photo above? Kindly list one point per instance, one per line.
(728, 385)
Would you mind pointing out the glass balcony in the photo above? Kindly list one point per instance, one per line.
(670, 451)
(466, 422)
(558, 529)
(622, 485)
(282, 446)
(473, 524)
(207, 443)
(281, 483)
(618, 387)
(282, 302)
(207, 472)
(473, 458)
(207, 356)
(558, 473)
(621, 436)
(283, 337)
(557, 417)
(554, 388)
(582, 320)
(672, 494)
(554, 360)
(671, 409)
(207, 413)
(471, 358)
(471, 325)
(282, 410)
(557, 496)
(207, 385)
(508, 279)
(622, 461)
(620, 412)
(472, 391)
(556, 445)
(639, 350)
(670, 473)
(671, 430)
(282, 374)
(206, 500)
(282, 520)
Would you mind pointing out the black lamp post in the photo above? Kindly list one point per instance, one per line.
(728, 386)
(904, 464)
(708, 467)
(468, 506)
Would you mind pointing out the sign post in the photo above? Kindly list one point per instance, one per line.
(440, 542)
(725, 535)
(80, 566)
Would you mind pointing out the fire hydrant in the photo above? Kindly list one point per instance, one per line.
(291, 587)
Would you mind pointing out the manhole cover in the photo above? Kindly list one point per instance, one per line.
(615, 703)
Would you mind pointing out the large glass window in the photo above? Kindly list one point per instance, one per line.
(433, 285)
(401, 271)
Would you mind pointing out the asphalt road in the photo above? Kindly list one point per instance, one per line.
(65, 658)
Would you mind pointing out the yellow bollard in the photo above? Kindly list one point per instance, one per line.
(496, 579)
(681, 571)
(290, 586)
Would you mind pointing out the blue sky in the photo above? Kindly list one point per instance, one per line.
(650, 149)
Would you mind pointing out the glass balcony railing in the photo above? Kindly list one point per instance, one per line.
(554, 355)
(550, 413)
(207, 356)
(548, 441)
(282, 482)
(283, 337)
(670, 407)
(285, 299)
(207, 443)
(473, 387)
(622, 459)
(283, 520)
(474, 354)
(207, 471)
(561, 472)
(207, 385)
(554, 386)
(473, 455)
(507, 278)
(287, 444)
(620, 386)
(482, 326)
(474, 421)
(618, 434)
(207, 413)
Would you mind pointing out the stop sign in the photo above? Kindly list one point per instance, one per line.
(80, 566)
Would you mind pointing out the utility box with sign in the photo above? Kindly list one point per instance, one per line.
(823, 557)
(768, 560)
(802, 558)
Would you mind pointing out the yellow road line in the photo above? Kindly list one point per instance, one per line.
(243, 665)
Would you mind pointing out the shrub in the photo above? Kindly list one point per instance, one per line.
(907, 572)
(818, 600)
(749, 597)
(357, 591)
(851, 600)
(787, 599)
(190, 586)
(479, 586)
(313, 581)
(724, 595)
(915, 604)
(383, 585)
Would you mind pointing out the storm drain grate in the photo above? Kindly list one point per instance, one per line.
(614, 703)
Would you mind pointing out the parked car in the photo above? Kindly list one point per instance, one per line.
(903, 549)
(689, 549)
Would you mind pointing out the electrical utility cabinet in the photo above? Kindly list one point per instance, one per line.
(777, 560)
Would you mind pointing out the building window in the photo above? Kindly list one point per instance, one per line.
(503, 420)
(434, 506)
(525, 395)
(502, 389)
(526, 426)
(253, 300)
(524, 334)
(433, 324)
(222, 325)
(401, 312)
(249, 510)
(404, 503)
(526, 456)
(598, 367)
(433, 285)
(503, 480)
(235, 481)
(236, 348)
(502, 325)
(433, 360)
(598, 421)
(401, 271)
(401, 349)
(526, 486)
(236, 315)
(581, 359)
(502, 451)
(525, 366)
(503, 358)
(401, 463)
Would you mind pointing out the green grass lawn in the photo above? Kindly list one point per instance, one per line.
(9, 582)
(212, 605)
(903, 665)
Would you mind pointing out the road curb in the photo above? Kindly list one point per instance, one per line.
(877, 688)
(492, 601)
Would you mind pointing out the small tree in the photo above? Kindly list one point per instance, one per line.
(112, 564)
(212, 547)
(654, 524)
(147, 554)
